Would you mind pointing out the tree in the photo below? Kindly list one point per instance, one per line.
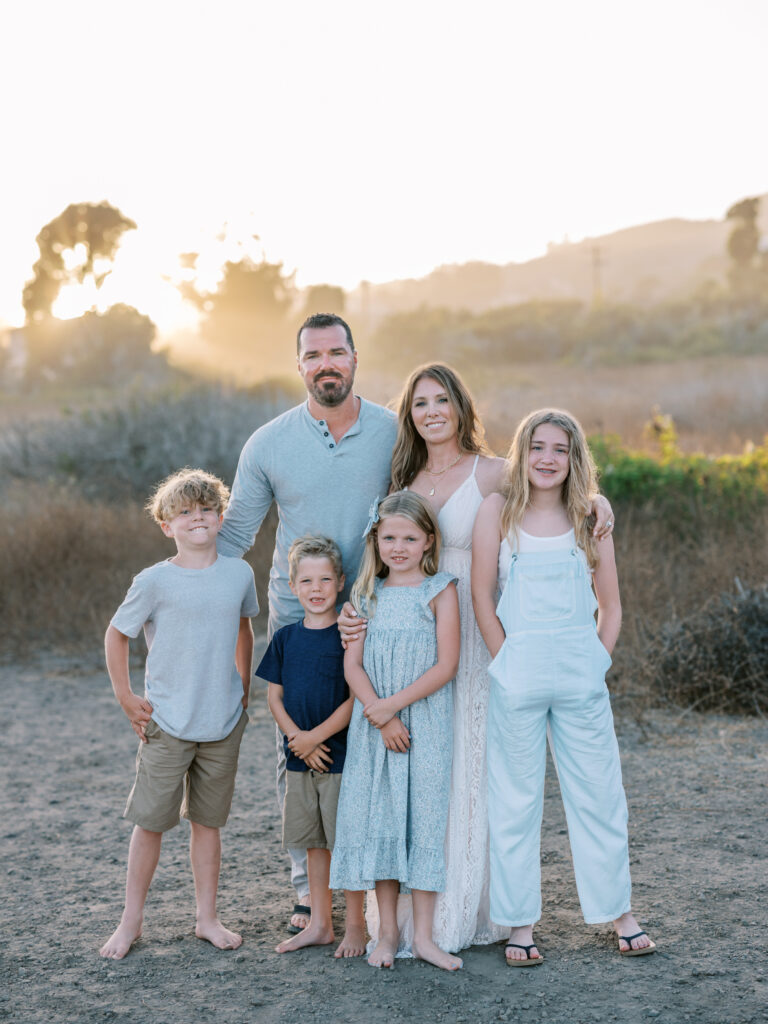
(97, 348)
(105, 349)
(324, 298)
(749, 272)
(247, 320)
(91, 232)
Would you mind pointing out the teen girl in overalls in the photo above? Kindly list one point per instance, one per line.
(548, 675)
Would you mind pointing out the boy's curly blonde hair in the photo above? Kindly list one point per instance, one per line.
(185, 489)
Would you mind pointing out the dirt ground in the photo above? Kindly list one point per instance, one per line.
(697, 796)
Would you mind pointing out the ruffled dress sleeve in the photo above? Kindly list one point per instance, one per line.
(433, 585)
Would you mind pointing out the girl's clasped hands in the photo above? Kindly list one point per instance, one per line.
(393, 733)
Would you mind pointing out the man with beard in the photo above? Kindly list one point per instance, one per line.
(323, 463)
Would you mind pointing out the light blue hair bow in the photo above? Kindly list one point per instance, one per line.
(373, 516)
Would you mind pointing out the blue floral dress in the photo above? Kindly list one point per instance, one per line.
(393, 807)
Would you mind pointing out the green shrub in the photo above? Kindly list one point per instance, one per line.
(683, 488)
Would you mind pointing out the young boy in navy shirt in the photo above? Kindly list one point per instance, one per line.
(310, 701)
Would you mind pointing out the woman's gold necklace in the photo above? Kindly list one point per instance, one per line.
(440, 472)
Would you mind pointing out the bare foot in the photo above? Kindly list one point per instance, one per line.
(434, 955)
(383, 954)
(121, 940)
(312, 935)
(627, 925)
(219, 936)
(522, 936)
(353, 943)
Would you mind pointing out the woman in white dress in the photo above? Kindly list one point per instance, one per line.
(441, 454)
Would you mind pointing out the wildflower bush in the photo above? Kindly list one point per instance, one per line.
(684, 488)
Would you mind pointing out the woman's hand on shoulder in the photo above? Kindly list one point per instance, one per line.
(351, 625)
(604, 518)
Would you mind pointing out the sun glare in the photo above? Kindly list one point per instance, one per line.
(552, 126)
(75, 299)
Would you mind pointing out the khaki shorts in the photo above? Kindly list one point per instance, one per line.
(180, 777)
(309, 811)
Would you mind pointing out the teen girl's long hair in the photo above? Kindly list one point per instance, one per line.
(410, 506)
(410, 451)
(579, 488)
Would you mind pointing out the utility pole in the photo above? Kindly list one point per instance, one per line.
(597, 266)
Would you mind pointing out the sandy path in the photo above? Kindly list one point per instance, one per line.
(697, 794)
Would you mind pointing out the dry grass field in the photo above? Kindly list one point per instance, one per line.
(73, 533)
(719, 403)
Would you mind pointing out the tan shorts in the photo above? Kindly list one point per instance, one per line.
(176, 777)
(309, 811)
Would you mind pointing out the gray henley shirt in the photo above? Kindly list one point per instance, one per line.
(319, 485)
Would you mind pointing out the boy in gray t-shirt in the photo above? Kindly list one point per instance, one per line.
(195, 610)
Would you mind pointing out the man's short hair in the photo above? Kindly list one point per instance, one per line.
(185, 489)
(311, 546)
(325, 320)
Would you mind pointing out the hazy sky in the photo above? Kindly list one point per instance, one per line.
(371, 140)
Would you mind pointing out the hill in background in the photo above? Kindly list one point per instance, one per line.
(643, 265)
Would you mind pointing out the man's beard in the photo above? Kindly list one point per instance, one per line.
(331, 392)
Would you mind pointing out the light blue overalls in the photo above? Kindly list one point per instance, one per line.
(550, 675)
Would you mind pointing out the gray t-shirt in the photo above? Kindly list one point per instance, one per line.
(320, 486)
(191, 619)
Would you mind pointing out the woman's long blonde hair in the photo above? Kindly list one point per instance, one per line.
(411, 506)
(579, 488)
(410, 452)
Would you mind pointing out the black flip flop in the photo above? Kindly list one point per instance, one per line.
(530, 961)
(298, 908)
(636, 952)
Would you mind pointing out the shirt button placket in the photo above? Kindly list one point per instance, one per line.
(326, 433)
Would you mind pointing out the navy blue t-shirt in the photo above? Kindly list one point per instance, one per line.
(309, 665)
